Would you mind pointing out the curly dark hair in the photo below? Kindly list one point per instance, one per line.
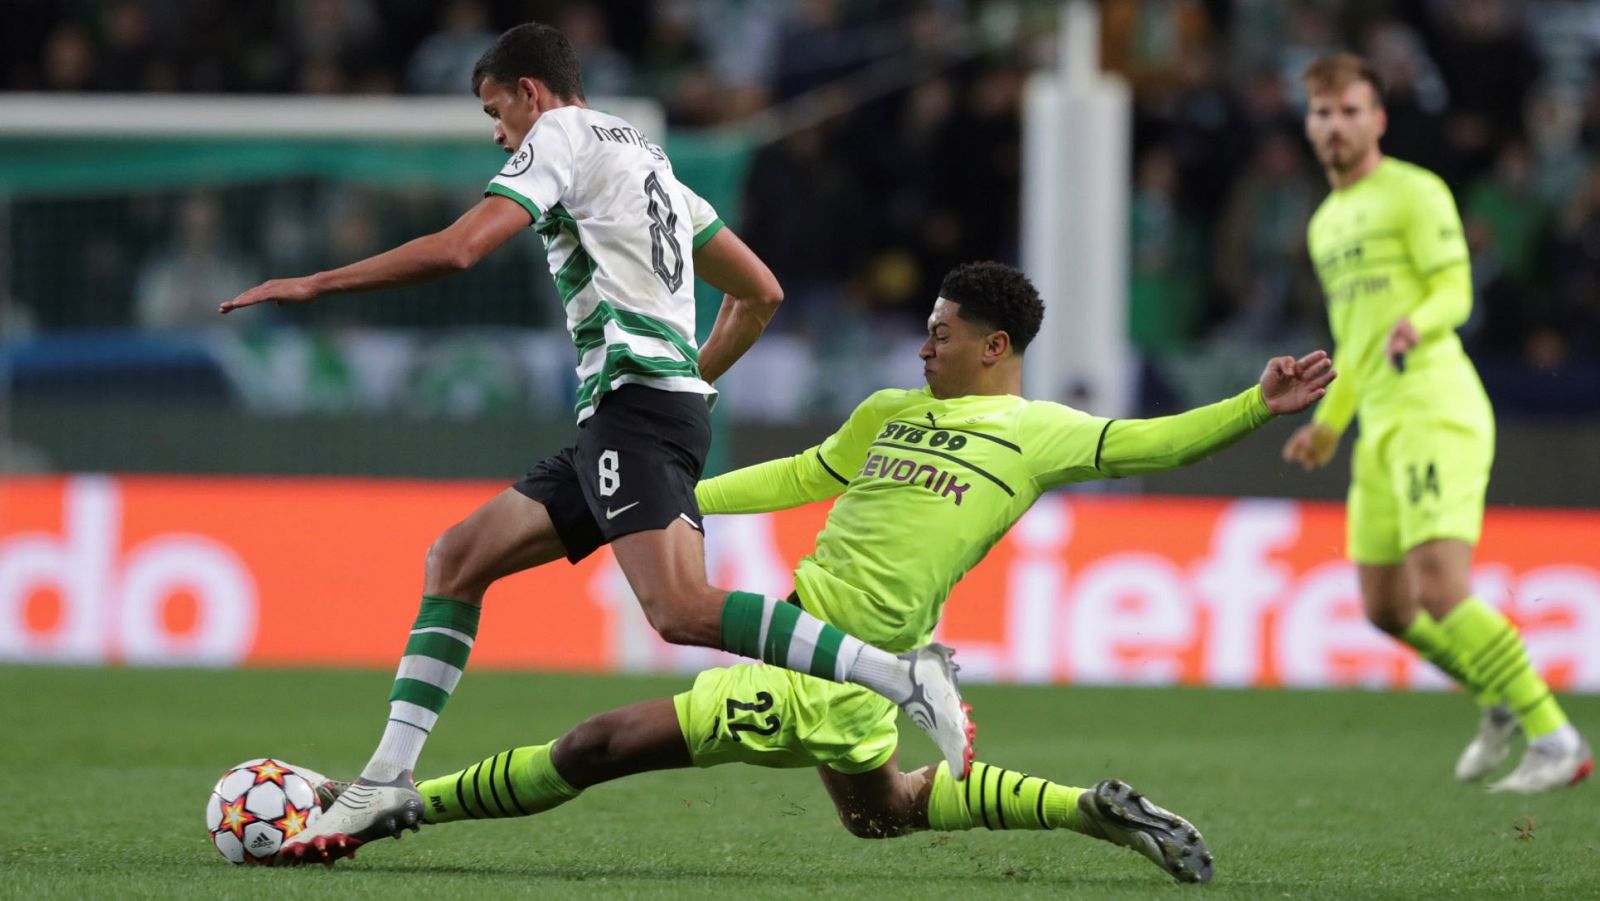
(531, 50)
(998, 296)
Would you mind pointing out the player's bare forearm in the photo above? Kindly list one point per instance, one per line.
(407, 264)
(726, 263)
(460, 246)
(418, 260)
(751, 295)
(739, 324)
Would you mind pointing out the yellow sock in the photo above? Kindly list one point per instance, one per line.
(515, 783)
(1430, 640)
(1491, 652)
(998, 798)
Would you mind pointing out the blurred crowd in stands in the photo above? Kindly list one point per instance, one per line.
(1500, 97)
(861, 210)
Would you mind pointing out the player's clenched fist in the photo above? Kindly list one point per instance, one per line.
(1402, 338)
(1312, 446)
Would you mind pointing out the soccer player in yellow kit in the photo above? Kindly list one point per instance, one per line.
(926, 482)
(1388, 247)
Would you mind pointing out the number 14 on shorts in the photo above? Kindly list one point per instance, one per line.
(1423, 480)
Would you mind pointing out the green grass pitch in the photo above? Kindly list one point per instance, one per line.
(1339, 795)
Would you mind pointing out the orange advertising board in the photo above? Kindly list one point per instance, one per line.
(1086, 588)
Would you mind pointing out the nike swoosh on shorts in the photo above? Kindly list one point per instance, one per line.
(613, 514)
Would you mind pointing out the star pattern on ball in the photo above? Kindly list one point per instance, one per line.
(269, 770)
(235, 817)
(293, 822)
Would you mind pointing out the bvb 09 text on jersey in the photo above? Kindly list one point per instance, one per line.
(933, 478)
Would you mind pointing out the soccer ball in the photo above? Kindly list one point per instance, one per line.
(259, 804)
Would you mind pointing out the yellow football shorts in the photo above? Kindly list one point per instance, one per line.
(768, 716)
(1414, 481)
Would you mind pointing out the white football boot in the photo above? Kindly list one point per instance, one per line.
(1124, 817)
(936, 707)
(1552, 761)
(1497, 731)
(361, 813)
(328, 790)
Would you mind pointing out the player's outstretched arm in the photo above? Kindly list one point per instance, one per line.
(774, 485)
(1141, 446)
(814, 474)
(751, 295)
(469, 239)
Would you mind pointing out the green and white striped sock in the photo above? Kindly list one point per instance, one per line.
(781, 634)
(435, 655)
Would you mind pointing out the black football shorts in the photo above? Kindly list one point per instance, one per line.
(634, 468)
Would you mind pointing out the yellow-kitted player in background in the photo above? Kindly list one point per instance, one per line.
(1388, 247)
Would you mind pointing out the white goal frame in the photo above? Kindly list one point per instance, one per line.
(111, 116)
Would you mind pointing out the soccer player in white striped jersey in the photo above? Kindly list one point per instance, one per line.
(624, 240)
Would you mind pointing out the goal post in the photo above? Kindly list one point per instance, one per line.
(50, 144)
(1076, 141)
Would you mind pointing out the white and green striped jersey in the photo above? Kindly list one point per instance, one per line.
(620, 231)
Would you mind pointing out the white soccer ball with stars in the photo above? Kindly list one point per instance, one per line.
(257, 806)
